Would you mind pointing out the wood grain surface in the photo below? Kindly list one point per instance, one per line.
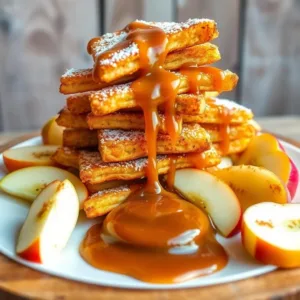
(17, 281)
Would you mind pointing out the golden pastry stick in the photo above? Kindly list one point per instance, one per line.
(189, 104)
(67, 157)
(93, 170)
(114, 98)
(121, 145)
(118, 63)
(94, 188)
(102, 202)
(81, 80)
(127, 121)
(85, 138)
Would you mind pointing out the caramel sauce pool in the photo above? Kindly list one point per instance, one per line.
(155, 236)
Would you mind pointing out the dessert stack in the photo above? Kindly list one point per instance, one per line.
(104, 136)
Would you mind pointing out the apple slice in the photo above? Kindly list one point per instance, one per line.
(18, 158)
(52, 134)
(265, 151)
(28, 182)
(225, 162)
(253, 184)
(49, 223)
(211, 194)
(271, 233)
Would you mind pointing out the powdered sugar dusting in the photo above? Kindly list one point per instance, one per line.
(77, 72)
(111, 91)
(231, 105)
(112, 191)
(117, 135)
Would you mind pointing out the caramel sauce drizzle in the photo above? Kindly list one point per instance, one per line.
(154, 235)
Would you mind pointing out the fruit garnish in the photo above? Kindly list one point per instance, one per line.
(271, 233)
(27, 183)
(49, 223)
(253, 185)
(265, 151)
(18, 158)
(52, 134)
(212, 195)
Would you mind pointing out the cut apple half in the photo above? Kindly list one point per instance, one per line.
(265, 151)
(18, 158)
(27, 183)
(253, 185)
(271, 233)
(212, 195)
(49, 223)
(52, 133)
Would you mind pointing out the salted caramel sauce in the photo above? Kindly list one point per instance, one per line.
(154, 235)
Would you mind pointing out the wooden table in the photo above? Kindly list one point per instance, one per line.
(18, 281)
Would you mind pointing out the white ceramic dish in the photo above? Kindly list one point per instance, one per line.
(70, 265)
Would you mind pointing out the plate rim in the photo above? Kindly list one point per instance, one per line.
(262, 271)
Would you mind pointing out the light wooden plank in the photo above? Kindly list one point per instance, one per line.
(272, 57)
(45, 38)
(226, 14)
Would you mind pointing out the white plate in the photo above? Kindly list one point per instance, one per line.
(70, 265)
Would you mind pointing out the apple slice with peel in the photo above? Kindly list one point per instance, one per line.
(28, 182)
(18, 158)
(52, 134)
(253, 184)
(265, 151)
(49, 223)
(271, 233)
(211, 194)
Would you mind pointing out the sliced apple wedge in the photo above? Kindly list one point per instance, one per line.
(211, 194)
(28, 182)
(49, 223)
(225, 162)
(265, 151)
(253, 184)
(271, 233)
(52, 134)
(18, 158)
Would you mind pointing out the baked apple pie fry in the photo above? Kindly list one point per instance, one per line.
(80, 138)
(190, 104)
(67, 157)
(113, 63)
(94, 170)
(81, 80)
(102, 202)
(121, 96)
(120, 145)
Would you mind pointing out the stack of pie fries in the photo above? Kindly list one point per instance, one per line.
(105, 126)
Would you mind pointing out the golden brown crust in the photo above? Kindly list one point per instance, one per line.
(121, 145)
(185, 103)
(94, 170)
(126, 61)
(67, 157)
(104, 201)
(81, 80)
(117, 97)
(80, 138)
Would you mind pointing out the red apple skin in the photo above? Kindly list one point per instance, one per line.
(237, 228)
(32, 253)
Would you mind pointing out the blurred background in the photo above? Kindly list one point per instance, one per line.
(39, 40)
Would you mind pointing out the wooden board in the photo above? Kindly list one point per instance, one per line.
(19, 280)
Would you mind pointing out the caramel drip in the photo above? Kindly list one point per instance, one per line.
(194, 75)
(144, 236)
